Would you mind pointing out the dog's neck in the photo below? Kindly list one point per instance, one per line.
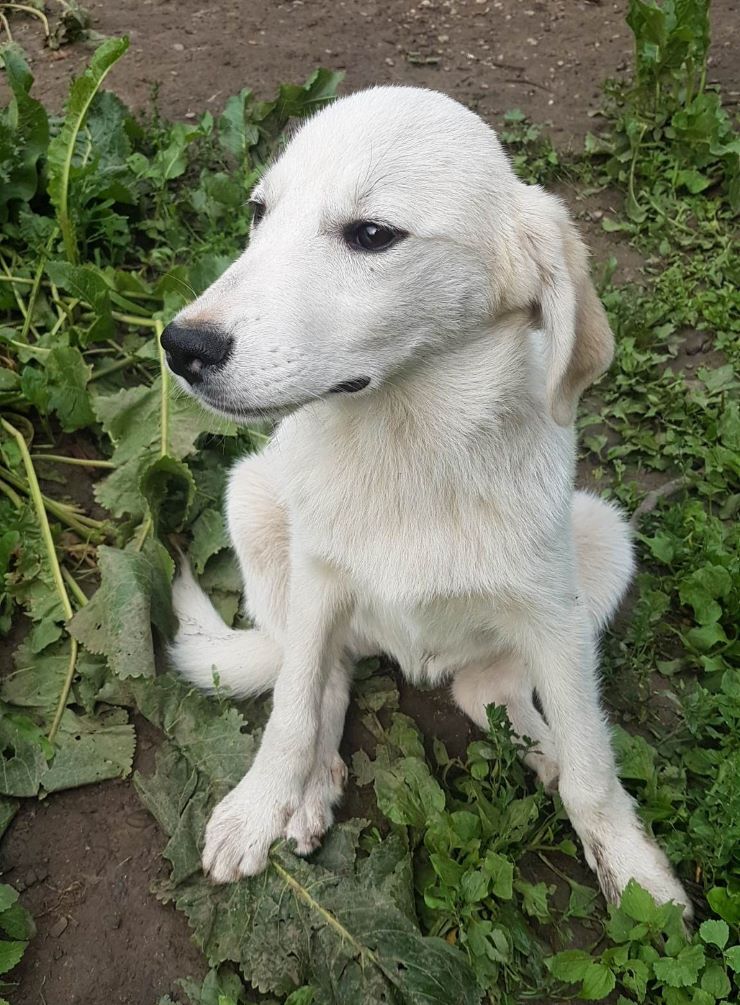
(455, 423)
(479, 382)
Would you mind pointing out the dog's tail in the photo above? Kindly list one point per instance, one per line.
(604, 555)
(213, 656)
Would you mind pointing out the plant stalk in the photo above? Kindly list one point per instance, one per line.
(56, 570)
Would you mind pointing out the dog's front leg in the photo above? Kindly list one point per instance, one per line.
(560, 650)
(256, 812)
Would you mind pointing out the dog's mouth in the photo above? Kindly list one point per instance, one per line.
(350, 386)
(272, 413)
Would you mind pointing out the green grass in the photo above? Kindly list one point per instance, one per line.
(463, 881)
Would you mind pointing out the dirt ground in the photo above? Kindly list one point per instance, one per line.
(84, 859)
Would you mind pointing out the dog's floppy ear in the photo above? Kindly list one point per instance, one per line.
(580, 342)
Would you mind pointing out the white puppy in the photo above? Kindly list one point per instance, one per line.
(423, 323)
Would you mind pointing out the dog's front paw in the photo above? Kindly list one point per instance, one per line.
(314, 815)
(242, 828)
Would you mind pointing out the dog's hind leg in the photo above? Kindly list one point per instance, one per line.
(505, 682)
(605, 566)
(604, 558)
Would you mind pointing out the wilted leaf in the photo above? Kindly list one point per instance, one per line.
(209, 537)
(67, 376)
(87, 284)
(90, 750)
(342, 933)
(134, 593)
(168, 487)
(24, 132)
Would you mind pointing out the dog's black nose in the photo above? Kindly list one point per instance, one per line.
(192, 350)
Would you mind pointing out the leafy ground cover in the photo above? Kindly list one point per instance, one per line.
(461, 881)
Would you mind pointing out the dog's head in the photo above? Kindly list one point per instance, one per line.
(391, 226)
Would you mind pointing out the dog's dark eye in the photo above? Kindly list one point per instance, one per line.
(368, 236)
(258, 210)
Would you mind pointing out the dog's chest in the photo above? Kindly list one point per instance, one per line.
(407, 525)
(412, 518)
(429, 641)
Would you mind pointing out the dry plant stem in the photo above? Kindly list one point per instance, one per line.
(18, 298)
(36, 286)
(13, 496)
(84, 526)
(164, 418)
(56, 570)
(106, 371)
(33, 11)
(66, 687)
(652, 499)
(134, 319)
(74, 586)
(81, 462)
(164, 411)
(66, 223)
(18, 280)
(37, 350)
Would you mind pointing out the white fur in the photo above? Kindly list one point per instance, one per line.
(431, 516)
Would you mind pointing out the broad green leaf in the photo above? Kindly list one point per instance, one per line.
(8, 809)
(407, 793)
(705, 638)
(598, 982)
(236, 132)
(131, 418)
(220, 986)
(570, 965)
(702, 589)
(694, 180)
(212, 736)
(26, 753)
(638, 903)
(535, 898)
(11, 954)
(715, 981)
(37, 678)
(8, 896)
(725, 904)
(302, 996)
(17, 922)
(501, 871)
(86, 750)
(134, 593)
(732, 955)
(683, 970)
(715, 933)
